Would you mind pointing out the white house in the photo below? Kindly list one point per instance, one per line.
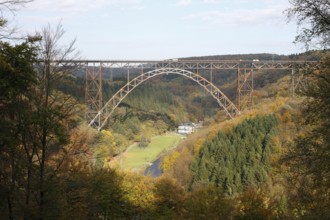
(186, 128)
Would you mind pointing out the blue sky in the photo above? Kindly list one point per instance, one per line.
(163, 29)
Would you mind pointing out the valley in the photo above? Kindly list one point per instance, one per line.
(202, 125)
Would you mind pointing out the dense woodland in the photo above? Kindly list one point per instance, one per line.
(271, 162)
(237, 159)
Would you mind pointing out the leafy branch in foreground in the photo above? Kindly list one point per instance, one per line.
(313, 19)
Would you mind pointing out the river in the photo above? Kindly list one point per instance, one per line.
(154, 169)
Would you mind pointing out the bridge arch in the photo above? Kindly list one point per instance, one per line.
(104, 114)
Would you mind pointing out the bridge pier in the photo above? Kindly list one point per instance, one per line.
(298, 79)
(244, 88)
(93, 91)
(292, 83)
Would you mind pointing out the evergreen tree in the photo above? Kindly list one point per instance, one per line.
(238, 158)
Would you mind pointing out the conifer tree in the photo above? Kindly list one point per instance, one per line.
(236, 159)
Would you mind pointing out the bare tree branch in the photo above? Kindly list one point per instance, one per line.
(7, 32)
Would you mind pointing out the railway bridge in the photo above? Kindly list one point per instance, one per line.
(200, 71)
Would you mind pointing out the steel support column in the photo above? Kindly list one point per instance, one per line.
(93, 91)
(298, 79)
(244, 88)
(292, 86)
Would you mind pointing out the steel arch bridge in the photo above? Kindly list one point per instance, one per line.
(98, 113)
(106, 111)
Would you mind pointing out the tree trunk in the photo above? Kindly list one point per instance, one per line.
(44, 140)
(10, 207)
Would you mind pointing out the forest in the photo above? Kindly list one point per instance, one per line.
(271, 162)
(242, 157)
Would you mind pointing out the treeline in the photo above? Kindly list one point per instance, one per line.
(237, 159)
(308, 55)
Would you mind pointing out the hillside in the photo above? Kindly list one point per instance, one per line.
(267, 160)
(162, 103)
(236, 169)
(238, 158)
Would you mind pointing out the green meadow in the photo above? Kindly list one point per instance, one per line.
(137, 157)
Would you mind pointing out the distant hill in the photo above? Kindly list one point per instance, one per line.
(259, 56)
(309, 55)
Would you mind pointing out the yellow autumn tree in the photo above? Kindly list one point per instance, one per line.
(104, 149)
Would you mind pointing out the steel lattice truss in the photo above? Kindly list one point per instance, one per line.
(98, 114)
(201, 64)
(93, 91)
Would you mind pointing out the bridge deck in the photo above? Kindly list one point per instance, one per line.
(196, 64)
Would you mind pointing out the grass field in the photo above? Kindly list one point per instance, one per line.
(136, 157)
